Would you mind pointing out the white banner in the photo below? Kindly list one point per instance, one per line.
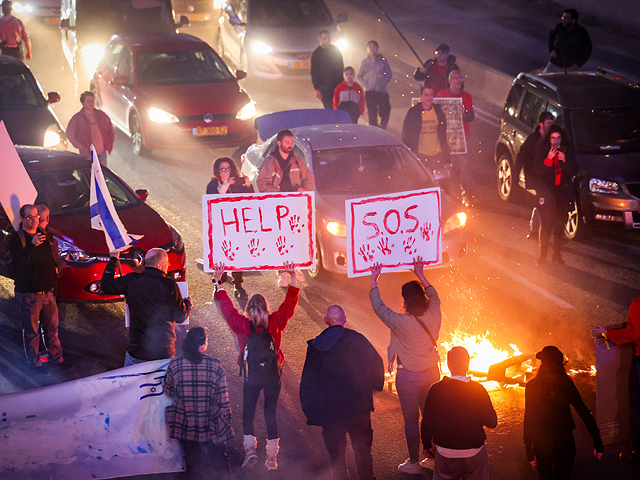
(453, 109)
(105, 426)
(259, 231)
(392, 230)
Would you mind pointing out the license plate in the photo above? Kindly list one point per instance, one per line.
(196, 17)
(202, 131)
(52, 20)
(299, 65)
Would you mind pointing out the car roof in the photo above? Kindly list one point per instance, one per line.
(162, 42)
(11, 64)
(324, 137)
(38, 159)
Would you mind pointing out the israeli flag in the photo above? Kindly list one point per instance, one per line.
(103, 214)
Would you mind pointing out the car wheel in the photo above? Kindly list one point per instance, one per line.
(319, 272)
(137, 141)
(506, 178)
(576, 228)
(220, 43)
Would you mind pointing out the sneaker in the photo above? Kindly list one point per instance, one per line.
(630, 457)
(300, 276)
(409, 467)
(429, 463)
(284, 280)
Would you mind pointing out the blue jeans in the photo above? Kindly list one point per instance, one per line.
(412, 392)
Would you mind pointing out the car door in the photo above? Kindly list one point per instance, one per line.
(105, 73)
(233, 35)
(527, 120)
(121, 86)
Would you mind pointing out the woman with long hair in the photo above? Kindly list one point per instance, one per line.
(257, 318)
(200, 415)
(548, 424)
(414, 333)
(227, 179)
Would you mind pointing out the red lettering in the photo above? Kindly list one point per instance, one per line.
(262, 229)
(411, 217)
(369, 224)
(245, 220)
(386, 217)
(232, 222)
(280, 215)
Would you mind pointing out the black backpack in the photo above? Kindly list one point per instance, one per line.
(260, 359)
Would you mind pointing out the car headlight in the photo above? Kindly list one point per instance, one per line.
(338, 229)
(19, 8)
(178, 244)
(341, 44)
(603, 186)
(52, 137)
(69, 252)
(261, 48)
(92, 52)
(160, 116)
(454, 222)
(247, 112)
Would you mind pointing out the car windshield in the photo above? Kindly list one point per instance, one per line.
(368, 170)
(66, 192)
(610, 130)
(125, 16)
(181, 67)
(18, 91)
(288, 13)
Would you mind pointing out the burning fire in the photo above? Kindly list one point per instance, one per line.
(483, 353)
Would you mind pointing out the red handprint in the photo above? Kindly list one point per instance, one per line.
(254, 247)
(426, 231)
(383, 246)
(227, 249)
(409, 245)
(294, 224)
(281, 244)
(366, 253)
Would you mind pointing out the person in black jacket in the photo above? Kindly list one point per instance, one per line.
(155, 306)
(435, 71)
(569, 44)
(340, 375)
(548, 424)
(455, 413)
(326, 69)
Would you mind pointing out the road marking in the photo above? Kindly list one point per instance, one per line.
(528, 284)
(486, 116)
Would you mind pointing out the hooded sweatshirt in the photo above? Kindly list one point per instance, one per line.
(375, 75)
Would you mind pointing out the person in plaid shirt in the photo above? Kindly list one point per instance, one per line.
(200, 415)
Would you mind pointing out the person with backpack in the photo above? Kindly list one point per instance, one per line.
(413, 346)
(259, 336)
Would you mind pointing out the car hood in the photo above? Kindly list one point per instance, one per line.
(216, 98)
(622, 168)
(141, 220)
(27, 127)
(292, 39)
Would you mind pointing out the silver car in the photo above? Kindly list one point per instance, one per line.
(275, 38)
(352, 161)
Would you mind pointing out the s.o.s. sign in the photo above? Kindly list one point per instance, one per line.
(392, 230)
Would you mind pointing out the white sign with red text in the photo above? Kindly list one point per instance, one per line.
(392, 230)
(259, 231)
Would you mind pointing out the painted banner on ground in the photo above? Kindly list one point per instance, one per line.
(392, 230)
(105, 426)
(259, 231)
(453, 110)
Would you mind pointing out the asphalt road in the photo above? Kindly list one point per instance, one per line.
(496, 291)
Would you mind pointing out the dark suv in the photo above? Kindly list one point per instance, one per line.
(601, 112)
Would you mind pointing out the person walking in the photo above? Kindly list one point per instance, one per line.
(200, 415)
(548, 424)
(13, 34)
(341, 372)
(414, 333)
(348, 95)
(252, 329)
(569, 44)
(374, 75)
(91, 126)
(326, 69)
(435, 71)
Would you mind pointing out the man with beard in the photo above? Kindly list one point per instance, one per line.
(326, 69)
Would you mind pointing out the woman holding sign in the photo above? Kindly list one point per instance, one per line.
(413, 346)
(226, 179)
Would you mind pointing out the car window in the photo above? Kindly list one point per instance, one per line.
(513, 100)
(125, 65)
(18, 91)
(288, 13)
(67, 192)
(368, 170)
(239, 8)
(110, 59)
(557, 113)
(181, 67)
(607, 130)
(531, 108)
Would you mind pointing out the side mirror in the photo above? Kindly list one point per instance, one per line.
(64, 24)
(240, 74)
(236, 22)
(184, 22)
(143, 194)
(121, 80)
(341, 18)
(53, 97)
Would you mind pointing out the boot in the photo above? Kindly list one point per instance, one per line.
(273, 447)
(250, 456)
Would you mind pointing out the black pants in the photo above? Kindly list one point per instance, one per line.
(378, 103)
(205, 460)
(553, 217)
(250, 396)
(555, 456)
(361, 434)
(327, 98)
(15, 52)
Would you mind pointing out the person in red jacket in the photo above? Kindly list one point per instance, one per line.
(348, 95)
(629, 334)
(257, 316)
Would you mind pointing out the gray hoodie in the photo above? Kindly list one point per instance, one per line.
(375, 75)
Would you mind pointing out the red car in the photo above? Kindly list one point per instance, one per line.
(170, 90)
(63, 180)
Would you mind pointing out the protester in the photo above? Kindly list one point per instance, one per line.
(13, 34)
(629, 334)
(455, 414)
(455, 90)
(155, 306)
(33, 268)
(226, 179)
(257, 318)
(200, 415)
(374, 75)
(555, 167)
(569, 44)
(548, 424)
(326, 69)
(348, 96)
(435, 71)
(341, 372)
(413, 347)
(91, 126)
(45, 214)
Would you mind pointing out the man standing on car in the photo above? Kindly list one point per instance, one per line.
(569, 44)
(155, 306)
(282, 171)
(326, 69)
(13, 34)
(91, 127)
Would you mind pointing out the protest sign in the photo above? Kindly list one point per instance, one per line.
(392, 230)
(453, 110)
(259, 231)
